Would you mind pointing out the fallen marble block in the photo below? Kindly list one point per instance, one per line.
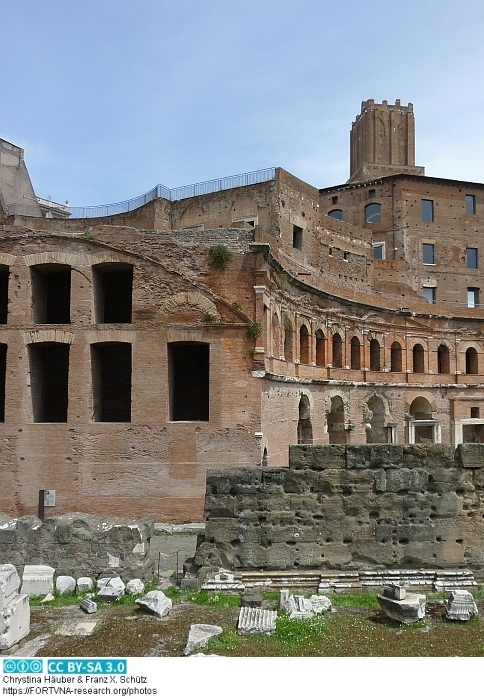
(88, 605)
(84, 584)
(135, 587)
(199, 635)
(461, 606)
(112, 590)
(156, 603)
(256, 620)
(37, 580)
(65, 585)
(14, 621)
(407, 610)
(9, 583)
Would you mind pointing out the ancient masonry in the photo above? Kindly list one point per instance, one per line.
(218, 324)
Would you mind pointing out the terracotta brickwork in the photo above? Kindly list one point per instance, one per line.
(130, 362)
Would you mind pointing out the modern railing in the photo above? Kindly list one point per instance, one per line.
(158, 192)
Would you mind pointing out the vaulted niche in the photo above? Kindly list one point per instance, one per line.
(189, 379)
(49, 375)
(51, 293)
(113, 292)
(4, 273)
(111, 382)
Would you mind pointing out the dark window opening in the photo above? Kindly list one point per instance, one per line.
(472, 361)
(472, 258)
(297, 237)
(372, 213)
(430, 293)
(51, 293)
(427, 210)
(337, 351)
(474, 413)
(303, 345)
(418, 359)
(113, 292)
(470, 204)
(334, 200)
(375, 355)
(472, 297)
(379, 251)
(111, 379)
(355, 353)
(4, 274)
(336, 214)
(443, 359)
(304, 426)
(3, 374)
(320, 349)
(49, 375)
(396, 357)
(371, 193)
(189, 380)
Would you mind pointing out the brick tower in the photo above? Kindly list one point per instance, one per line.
(382, 141)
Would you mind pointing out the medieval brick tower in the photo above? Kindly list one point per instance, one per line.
(382, 141)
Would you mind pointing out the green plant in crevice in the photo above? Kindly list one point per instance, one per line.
(220, 255)
(253, 331)
(209, 318)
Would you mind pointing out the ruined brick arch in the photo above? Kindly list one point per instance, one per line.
(304, 425)
(37, 336)
(107, 256)
(337, 416)
(376, 414)
(53, 258)
(470, 357)
(6, 259)
(419, 397)
(191, 298)
(384, 400)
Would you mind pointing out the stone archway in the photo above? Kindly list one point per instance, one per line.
(336, 421)
(304, 426)
(376, 432)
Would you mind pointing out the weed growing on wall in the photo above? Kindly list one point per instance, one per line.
(220, 255)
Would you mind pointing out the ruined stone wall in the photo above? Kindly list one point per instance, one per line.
(79, 545)
(350, 507)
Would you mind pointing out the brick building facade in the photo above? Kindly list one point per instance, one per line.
(130, 361)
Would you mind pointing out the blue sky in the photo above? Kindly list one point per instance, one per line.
(109, 98)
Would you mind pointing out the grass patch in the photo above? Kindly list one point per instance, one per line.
(203, 598)
(229, 640)
(356, 600)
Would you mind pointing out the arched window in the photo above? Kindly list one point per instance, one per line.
(443, 359)
(355, 353)
(276, 336)
(304, 427)
(418, 359)
(472, 364)
(375, 364)
(320, 349)
(396, 357)
(372, 213)
(303, 345)
(288, 343)
(336, 418)
(337, 351)
(420, 409)
(336, 214)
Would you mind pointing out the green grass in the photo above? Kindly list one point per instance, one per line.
(203, 598)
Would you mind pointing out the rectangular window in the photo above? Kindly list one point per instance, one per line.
(428, 253)
(51, 293)
(297, 237)
(430, 293)
(49, 373)
(4, 274)
(472, 297)
(474, 413)
(470, 204)
(111, 381)
(427, 210)
(334, 200)
(113, 291)
(471, 258)
(189, 373)
(372, 193)
(379, 251)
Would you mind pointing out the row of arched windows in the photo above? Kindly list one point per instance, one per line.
(356, 352)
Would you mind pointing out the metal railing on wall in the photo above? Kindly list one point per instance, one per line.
(158, 192)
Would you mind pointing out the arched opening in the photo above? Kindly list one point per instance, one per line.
(320, 349)
(288, 341)
(355, 353)
(396, 357)
(372, 213)
(337, 351)
(336, 214)
(472, 364)
(336, 419)
(265, 458)
(304, 427)
(375, 361)
(443, 359)
(303, 345)
(276, 336)
(418, 359)
(376, 433)
(422, 428)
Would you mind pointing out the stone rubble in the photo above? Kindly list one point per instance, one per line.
(461, 606)
(37, 580)
(256, 620)
(65, 585)
(155, 602)
(110, 589)
(402, 606)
